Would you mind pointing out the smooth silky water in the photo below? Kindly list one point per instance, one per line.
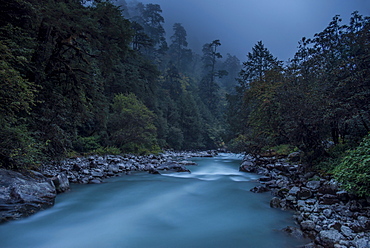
(211, 207)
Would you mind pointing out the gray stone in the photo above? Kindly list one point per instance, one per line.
(308, 225)
(313, 185)
(187, 162)
(275, 202)
(364, 221)
(327, 212)
(294, 190)
(97, 174)
(61, 183)
(24, 194)
(346, 231)
(304, 194)
(294, 232)
(328, 238)
(362, 243)
(95, 181)
(259, 189)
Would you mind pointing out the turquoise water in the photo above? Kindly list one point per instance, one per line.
(211, 207)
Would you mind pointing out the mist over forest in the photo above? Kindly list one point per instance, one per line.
(102, 77)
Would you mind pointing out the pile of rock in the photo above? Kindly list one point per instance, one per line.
(331, 217)
(94, 169)
(22, 194)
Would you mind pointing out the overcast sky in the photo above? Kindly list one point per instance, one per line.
(239, 24)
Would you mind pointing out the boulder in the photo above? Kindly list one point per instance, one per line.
(294, 190)
(173, 166)
(328, 238)
(304, 194)
(95, 181)
(61, 183)
(308, 225)
(294, 232)
(248, 166)
(362, 242)
(22, 194)
(314, 185)
(275, 202)
(259, 189)
(187, 162)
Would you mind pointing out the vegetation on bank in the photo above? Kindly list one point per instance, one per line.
(99, 76)
(80, 77)
(317, 103)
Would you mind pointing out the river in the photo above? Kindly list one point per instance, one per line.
(211, 207)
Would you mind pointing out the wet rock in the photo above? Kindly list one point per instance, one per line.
(24, 194)
(304, 194)
(187, 163)
(294, 232)
(173, 166)
(294, 190)
(362, 242)
(314, 185)
(308, 225)
(61, 183)
(275, 202)
(248, 166)
(346, 231)
(328, 238)
(259, 189)
(95, 181)
(364, 221)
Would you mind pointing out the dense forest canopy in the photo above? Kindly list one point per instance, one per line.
(101, 76)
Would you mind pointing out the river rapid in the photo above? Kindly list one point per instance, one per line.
(211, 207)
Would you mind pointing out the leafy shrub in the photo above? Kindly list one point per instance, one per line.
(110, 150)
(354, 170)
(327, 164)
(131, 124)
(284, 149)
(86, 144)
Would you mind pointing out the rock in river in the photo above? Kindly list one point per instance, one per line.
(24, 194)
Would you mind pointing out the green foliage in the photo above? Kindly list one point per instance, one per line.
(354, 169)
(131, 124)
(86, 144)
(238, 144)
(283, 149)
(18, 148)
(109, 150)
(322, 94)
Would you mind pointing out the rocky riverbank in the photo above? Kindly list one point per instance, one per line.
(22, 194)
(329, 216)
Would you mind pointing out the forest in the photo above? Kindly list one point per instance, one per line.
(82, 77)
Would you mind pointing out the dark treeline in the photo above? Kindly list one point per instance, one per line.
(102, 77)
(317, 103)
(322, 94)
(98, 76)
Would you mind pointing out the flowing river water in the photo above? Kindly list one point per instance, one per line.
(211, 207)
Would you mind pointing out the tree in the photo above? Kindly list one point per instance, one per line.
(208, 87)
(232, 66)
(179, 55)
(131, 125)
(253, 111)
